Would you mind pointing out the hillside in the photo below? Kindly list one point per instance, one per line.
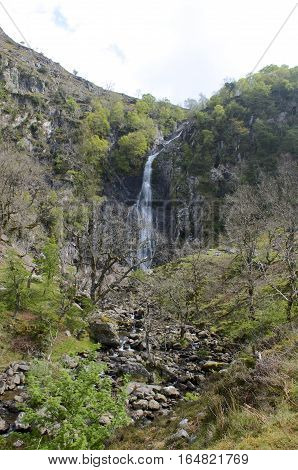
(93, 336)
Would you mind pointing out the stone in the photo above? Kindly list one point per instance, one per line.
(183, 423)
(18, 398)
(153, 405)
(4, 238)
(138, 414)
(23, 367)
(70, 362)
(135, 370)
(181, 434)
(18, 443)
(104, 332)
(213, 365)
(190, 385)
(203, 334)
(19, 425)
(160, 397)
(105, 420)
(17, 379)
(171, 392)
(4, 426)
(2, 387)
(140, 404)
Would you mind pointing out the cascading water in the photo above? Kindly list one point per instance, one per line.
(143, 209)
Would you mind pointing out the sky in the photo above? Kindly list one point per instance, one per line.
(173, 49)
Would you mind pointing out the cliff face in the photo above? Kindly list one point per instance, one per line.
(244, 130)
(37, 96)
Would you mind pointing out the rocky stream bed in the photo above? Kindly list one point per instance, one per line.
(161, 367)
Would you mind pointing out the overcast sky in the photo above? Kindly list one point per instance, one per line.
(170, 48)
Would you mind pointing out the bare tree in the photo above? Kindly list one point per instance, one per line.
(279, 196)
(108, 248)
(21, 188)
(244, 226)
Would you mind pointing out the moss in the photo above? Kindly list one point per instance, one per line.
(71, 346)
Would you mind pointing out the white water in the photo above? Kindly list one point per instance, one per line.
(143, 208)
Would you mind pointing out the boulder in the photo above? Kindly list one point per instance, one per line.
(153, 405)
(18, 443)
(70, 362)
(104, 332)
(213, 365)
(171, 392)
(4, 426)
(106, 420)
(140, 405)
(135, 370)
(181, 434)
(19, 425)
(138, 414)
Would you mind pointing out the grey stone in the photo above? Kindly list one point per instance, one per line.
(19, 425)
(140, 404)
(18, 443)
(4, 426)
(153, 405)
(104, 332)
(171, 392)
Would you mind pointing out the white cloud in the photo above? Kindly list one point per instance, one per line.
(170, 48)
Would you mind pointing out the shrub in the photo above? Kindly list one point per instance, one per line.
(68, 411)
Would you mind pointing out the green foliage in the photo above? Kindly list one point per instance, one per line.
(70, 407)
(132, 147)
(14, 279)
(251, 119)
(117, 115)
(3, 91)
(49, 262)
(97, 122)
(95, 149)
(71, 104)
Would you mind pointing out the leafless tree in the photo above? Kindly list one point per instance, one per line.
(21, 189)
(108, 248)
(244, 225)
(279, 196)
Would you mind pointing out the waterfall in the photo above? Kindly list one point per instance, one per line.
(143, 208)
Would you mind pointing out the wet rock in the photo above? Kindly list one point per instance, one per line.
(104, 332)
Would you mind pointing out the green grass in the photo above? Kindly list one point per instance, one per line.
(71, 346)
